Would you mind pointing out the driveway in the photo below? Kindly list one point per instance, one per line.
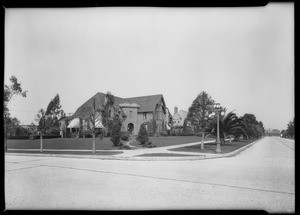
(260, 177)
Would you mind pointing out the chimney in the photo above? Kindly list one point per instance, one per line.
(175, 109)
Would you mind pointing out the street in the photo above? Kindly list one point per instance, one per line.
(261, 177)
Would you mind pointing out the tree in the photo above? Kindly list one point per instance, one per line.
(116, 131)
(253, 128)
(92, 114)
(143, 135)
(198, 113)
(12, 90)
(262, 127)
(54, 112)
(11, 124)
(106, 112)
(9, 92)
(43, 125)
(229, 124)
(290, 131)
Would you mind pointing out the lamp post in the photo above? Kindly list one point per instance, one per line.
(203, 134)
(217, 110)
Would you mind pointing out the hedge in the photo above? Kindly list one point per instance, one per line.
(34, 137)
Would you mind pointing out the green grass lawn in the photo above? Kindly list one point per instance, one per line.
(211, 147)
(86, 143)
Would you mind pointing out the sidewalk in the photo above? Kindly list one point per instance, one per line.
(132, 154)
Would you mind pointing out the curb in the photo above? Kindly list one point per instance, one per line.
(231, 154)
(136, 158)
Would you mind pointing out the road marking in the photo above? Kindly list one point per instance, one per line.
(170, 179)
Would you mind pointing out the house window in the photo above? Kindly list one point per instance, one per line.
(130, 114)
(144, 115)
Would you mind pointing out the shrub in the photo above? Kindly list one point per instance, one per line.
(163, 133)
(154, 126)
(54, 131)
(18, 137)
(20, 131)
(116, 131)
(143, 135)
(125, 136)
(149, 127)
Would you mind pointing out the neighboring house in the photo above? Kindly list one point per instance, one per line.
(179, 117)
(63, 123)
(133, 111)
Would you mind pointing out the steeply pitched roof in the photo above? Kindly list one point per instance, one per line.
(99, 100)
(147, 103)
(180, 114)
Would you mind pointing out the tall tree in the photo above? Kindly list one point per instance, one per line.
(9, 92)
(229, 124)
(198, 113)
(106, 111)
(54, 111)
(116, 131)
(252, 126)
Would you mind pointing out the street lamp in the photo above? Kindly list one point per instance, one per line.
(217, 110)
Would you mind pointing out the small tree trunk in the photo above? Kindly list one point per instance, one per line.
(41, 142)
(202, 142)
(94, 143)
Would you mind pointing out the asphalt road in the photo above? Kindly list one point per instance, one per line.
(261, 177)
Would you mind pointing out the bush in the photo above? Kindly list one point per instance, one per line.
(143, 135)
(54, 131)
(51, 136)
(32, 137)
(20, 131)
(125, 136)
(116, 131)
(163, 133)
(18, 137)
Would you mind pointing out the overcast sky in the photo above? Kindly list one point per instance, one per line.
(242, 57)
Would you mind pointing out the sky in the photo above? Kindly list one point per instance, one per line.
(242, 57)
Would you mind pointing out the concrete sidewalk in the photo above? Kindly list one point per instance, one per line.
(133, 154)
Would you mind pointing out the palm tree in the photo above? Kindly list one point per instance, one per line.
(229, 124)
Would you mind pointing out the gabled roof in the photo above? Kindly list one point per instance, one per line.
(180, 114)
(99, 100)
(147, 103)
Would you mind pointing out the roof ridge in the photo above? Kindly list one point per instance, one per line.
(143, 96)
(112, 94)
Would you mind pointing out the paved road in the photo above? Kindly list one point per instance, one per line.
(260, 177)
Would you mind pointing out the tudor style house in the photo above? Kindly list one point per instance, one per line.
(133, 111)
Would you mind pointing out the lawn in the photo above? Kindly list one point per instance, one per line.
(86, 143)
(211, 147)
(69, 152)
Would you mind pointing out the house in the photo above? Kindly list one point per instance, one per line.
(133, 111)
(179, 117)
(63, 123)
